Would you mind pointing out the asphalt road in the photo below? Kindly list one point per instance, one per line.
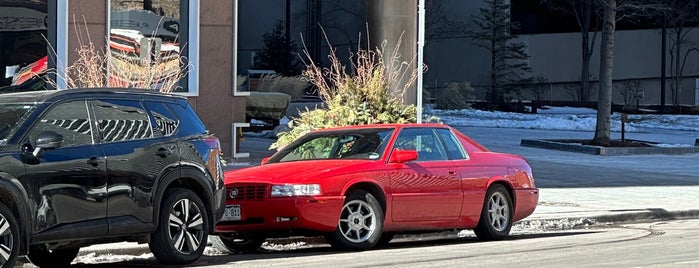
(660, 244)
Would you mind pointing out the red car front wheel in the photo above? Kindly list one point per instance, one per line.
(360, 224)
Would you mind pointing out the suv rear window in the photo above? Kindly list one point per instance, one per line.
(190, 123)
(164, 121)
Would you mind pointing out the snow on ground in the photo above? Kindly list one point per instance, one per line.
(563, 118)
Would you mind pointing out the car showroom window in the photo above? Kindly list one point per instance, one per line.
(69, 119)
(121, 120)
(424, 141)
(23, 54)
(150, 45)
(453, 146)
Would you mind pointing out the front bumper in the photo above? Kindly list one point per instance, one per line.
(319, 213)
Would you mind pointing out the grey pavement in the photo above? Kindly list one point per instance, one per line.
(583, 188)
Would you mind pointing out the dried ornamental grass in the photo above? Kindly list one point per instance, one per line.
(371, 92)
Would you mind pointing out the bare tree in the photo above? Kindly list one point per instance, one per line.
(613, 10)
(539, 88)
(678, 14)
(630, 90)
(438, 25)
(586, 13)
(509, 69)
(604, 103)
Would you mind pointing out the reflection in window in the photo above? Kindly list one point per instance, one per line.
(366, 144)
(11, 117)
(69, 119)
(165, 123)
(122, 120)
(144, 44)
(23, 47)
(452, 143)
(428, 146)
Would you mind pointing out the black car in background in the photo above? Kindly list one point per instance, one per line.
(89, 166)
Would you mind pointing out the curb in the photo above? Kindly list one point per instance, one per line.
(567, 223)
(608, 151)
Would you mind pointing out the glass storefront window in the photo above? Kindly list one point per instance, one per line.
(145, 44)
(23, 46)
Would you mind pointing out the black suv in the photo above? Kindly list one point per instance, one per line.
(88, 166)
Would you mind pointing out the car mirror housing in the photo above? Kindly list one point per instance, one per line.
(47, 140)
(402, 156)
(265, 160)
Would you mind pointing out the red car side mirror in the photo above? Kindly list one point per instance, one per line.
(265, 160)
(402, 156)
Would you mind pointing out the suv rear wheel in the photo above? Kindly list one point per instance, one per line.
(183, 229)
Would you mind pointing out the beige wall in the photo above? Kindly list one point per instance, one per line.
(215, 103)
(86, 16)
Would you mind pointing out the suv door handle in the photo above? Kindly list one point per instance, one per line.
(94, 161)
(162, 152)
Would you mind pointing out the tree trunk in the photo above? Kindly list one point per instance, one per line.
(678, 75)
(604, 104)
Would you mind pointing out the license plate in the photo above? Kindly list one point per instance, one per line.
(232, 213)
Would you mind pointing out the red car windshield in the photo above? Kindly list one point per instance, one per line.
(368, 144)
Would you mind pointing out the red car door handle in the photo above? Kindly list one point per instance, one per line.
(452, 172)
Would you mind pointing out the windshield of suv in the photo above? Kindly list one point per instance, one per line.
(12, 115)
(366, 144)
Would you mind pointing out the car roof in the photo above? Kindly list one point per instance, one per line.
(48, 95)
(392, 125)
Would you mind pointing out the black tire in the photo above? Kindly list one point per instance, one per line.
(180, 237)
(9, 238)
(384, 240)
(496, 217)
(40, 256)
(239, 244)
(360, 224)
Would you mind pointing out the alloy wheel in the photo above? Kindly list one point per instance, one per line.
(6, 240)
(357, 221)
(186, 226)
(499, 211)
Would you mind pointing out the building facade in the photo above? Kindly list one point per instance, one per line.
(218, 40)
(451, 56)
(164, 33)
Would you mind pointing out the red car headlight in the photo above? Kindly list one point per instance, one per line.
(295, 190)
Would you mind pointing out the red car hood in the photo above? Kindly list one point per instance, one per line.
(300, 171)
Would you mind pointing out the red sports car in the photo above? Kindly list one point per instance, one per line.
(360, 185)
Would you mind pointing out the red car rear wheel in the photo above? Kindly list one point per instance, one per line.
(496, 217)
